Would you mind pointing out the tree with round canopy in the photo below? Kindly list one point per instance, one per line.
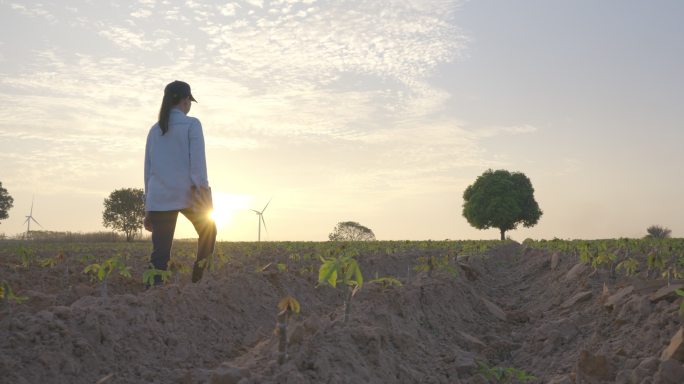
(501, 199)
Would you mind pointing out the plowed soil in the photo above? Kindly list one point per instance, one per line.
(506, 309)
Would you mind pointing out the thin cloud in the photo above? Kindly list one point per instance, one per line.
(228, 9)
(34, 11)
(125, 38)
(330, 74)
(142, 13)
(508, 130)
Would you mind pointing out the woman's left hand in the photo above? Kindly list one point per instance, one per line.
(147, 222)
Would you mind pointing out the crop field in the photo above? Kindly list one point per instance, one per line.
(556, 311)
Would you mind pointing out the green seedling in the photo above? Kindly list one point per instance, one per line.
(7, 295)
(603, 257)
(220, 258)
(306, 270)
(585, 254)
(672, 272)
(150, 274)
(430, 263)
(425, 264)
(208, 263)
(504, 374)
(49, 262)
(655, 260)
(27, 256)
(342, 269)
(386, 282)
(177, 268)
(286, 307)
(52, 262)
(102, 271)
(629, 266)
(87, 258)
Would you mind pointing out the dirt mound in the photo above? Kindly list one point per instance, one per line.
(507, 311)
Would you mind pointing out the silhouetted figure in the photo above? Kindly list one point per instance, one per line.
(176, 179)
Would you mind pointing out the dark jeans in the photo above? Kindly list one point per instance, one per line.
(163, 227)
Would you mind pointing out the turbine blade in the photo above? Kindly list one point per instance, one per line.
(255, 211)
(269, 202)
(36, 221)
(263, 221)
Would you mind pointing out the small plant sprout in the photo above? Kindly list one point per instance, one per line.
(49, 262)
(505, 375)
(425, 264)
(629, 265)
(150, 274)
(654, 260)
(585, 253)
(306, 270)
(102, 271)
(287, 306)
(282, 267)
(672, 272)
(207, 263)
(27, 256)
(346, 267)
(7, 296)
(430, 263)
(87, 258)
(603, 257)
(386, 282)
(177, 268)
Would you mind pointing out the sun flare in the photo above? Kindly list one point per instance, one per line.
(225, 207)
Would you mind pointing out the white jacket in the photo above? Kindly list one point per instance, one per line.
(174, 162)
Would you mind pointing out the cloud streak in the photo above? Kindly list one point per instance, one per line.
(348, 76)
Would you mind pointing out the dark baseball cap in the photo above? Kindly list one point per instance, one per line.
(178, 90)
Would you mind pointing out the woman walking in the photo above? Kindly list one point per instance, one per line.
(176, 179)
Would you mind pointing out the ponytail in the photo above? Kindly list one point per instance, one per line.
(168, 102)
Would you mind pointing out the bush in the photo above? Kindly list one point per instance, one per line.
(658, 232)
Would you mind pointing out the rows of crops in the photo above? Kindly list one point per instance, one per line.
(18, 254)
(648, 257)
(651, 257)
(60, 265)
(66, 264)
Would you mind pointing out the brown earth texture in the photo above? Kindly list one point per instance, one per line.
(510, 315)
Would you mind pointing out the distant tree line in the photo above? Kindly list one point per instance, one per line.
(70, 237)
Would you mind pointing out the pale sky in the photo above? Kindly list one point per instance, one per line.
(377, 111)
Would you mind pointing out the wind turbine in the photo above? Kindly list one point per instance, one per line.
(30, 218)
(261, 217)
